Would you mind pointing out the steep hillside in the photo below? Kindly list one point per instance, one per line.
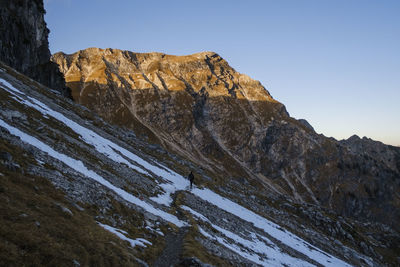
(114, 199)
(24, 45)
(202, 109)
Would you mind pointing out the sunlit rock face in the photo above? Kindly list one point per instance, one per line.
(201, 108)
(195, 104)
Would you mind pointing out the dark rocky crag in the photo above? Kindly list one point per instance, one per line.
(24, 45)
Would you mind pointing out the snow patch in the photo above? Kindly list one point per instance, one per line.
(270, 228)
(39, 161)
(158, 231)
(121, 234)
(259, 250)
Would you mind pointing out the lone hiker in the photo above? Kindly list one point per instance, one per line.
(191, 178)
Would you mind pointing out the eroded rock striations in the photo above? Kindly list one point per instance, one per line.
(201, 108)
(24, 45)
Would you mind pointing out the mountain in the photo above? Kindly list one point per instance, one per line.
(202, 109)
(24, 45)
(78, 191)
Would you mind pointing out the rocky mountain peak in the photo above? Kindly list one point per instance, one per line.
(205, 72)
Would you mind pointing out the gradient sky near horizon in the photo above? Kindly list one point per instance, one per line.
(334, 63)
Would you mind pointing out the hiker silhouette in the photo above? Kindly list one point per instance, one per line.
(191, 178)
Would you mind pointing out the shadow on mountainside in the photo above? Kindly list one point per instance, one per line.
(243, 139)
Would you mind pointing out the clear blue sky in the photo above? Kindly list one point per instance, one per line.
(335, 63)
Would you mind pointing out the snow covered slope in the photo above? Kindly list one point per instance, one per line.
(95, 163)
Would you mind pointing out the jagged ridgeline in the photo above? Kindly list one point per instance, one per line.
(201, 108)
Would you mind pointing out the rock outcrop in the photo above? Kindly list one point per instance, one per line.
(201, 108)
(24, 45)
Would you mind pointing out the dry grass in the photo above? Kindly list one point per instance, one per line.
(35, 231)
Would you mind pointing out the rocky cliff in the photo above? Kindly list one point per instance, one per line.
(24, 45)
(200, 107)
